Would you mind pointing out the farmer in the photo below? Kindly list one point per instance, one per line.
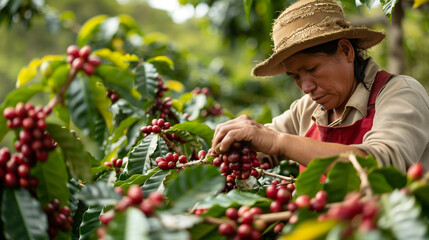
(349, 104)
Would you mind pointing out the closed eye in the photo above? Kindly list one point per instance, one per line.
(312, 69)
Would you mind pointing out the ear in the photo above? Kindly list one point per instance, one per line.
(346, 48)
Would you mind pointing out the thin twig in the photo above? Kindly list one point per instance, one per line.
(219, 221)
(272, 217)
(171, 144)
(289, 179)
(60, 94)
(364, 182)
(201, 161)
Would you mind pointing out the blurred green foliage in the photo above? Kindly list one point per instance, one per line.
(217, 51)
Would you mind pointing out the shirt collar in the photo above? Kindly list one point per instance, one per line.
(359, 98)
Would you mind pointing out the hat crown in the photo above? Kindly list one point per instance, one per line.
(308, 23)
(304, 19)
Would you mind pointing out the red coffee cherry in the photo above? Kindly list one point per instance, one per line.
(73, 51)
(84, 52)
(94, 60)
(244, 230)
(88, 68)
(278, 228)
(303, 201)
(276, 206)
(271, 191)
(78, 63)
(231, 213)
(226, 229)
(415, 171)
(135, 194)
(283, 195)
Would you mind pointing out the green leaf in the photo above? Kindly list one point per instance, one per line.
(112, 75)
(199, 129)
(81, 105)
(136, 179)
(163, 60)
(401, 215)
(247, 8)
(139, 158)
(265, 116)
(122, 129)
(73, 151)
(234, 198)
(190, 143)
(90, 27)
(129, 225)
(193, 185)
(308, 181)
(195, 105)
(53, 178)
(59, 77)
(18, 95)
(98, 194)
(393, 176)
(367, 162)
(368, 3)
(22, 216)
(341, 179)
(388, 7)
(147, 80)
(62, 113)
(422, 194)
(379, 183)
(102, 103)
(90, 222)
(155, 182)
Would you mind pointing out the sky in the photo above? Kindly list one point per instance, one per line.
(179, 13)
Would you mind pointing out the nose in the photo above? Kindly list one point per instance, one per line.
(307, 85)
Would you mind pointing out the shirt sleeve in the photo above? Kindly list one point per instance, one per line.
(400, 132)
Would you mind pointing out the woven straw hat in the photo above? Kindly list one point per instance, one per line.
(308, 23)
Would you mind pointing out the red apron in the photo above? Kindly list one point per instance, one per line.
(352, 134)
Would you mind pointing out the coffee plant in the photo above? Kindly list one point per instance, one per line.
(116, 152)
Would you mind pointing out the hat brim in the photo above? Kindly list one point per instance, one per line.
(272, 66)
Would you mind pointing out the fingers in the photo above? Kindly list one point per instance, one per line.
(235, 126)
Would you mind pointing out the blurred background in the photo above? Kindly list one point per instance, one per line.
(213, 43)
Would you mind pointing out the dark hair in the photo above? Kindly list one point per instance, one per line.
(331, 47)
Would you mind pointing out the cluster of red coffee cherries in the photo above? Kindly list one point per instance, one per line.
(355, 212)
(157, 126)
(213, 111)
(170, 160)
(239, 162)
(79, 58)
(245, 218)
(115, 163)
(34, 142)
(204, 90)
(113, 95)
(160, 105)
(282, 193)
(59, 218)
(133, 198)
(15, 170)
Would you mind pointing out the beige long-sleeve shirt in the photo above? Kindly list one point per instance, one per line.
(400, 131)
